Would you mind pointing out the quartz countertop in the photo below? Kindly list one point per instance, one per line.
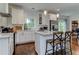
(45, 32)
(4, 35)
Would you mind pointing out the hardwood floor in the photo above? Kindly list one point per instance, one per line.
(75, 46)
(29, 48)
(25, 49)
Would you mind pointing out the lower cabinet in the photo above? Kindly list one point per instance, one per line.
(11, 44)
(6, 44)
(25, 37)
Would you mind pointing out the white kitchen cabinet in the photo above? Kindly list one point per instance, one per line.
(14, 16)
(25, 36)
(4, 7)
(20, 16)
(17, 15)
(11, 43)
(3, 21)
(53, 17)
(6, 44)
(45, 19)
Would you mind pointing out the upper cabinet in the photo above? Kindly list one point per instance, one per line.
(4, 8)
(53, 17)
(17, 15)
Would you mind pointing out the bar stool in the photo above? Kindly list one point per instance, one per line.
(68, 47)
(55, 43)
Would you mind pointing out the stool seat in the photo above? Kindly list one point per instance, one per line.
(55, 41)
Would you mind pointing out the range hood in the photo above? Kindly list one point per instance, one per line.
(5, 14)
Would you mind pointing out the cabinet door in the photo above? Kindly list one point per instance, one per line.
(4, 7)
(10, 43)
(17, 16)
(14, 16)
(19, 37)
(20, 16)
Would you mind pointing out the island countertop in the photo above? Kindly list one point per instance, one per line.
(45, 32)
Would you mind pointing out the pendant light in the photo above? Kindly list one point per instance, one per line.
(45, 12)
(58, 13)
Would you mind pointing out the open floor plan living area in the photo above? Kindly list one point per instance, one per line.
(39, 28)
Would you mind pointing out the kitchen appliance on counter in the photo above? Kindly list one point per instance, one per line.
(17, 27)
(6, 29)
(43, 28)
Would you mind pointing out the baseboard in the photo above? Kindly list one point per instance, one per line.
(25, 43)
(36, 52)
(13, 53)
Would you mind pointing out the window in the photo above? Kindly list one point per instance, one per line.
(29, 23)
(62, 25)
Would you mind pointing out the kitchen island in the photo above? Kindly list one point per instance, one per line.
(40, 41)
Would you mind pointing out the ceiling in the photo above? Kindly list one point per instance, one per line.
(69, 9)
